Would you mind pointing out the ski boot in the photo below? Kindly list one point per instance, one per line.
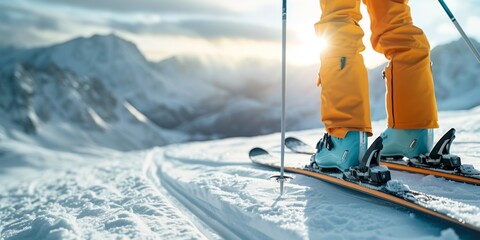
(351, 156)
(340, 153)
(410, 143)
(416, 146)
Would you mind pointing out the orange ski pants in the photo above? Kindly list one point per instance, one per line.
(410, 97)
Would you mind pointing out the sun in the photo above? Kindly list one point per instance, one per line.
(322, 44)
(308, 48)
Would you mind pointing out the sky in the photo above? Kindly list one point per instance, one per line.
(237, 29)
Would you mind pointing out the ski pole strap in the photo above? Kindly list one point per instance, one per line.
(445, 7)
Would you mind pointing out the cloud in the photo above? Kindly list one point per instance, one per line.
(206, 29)
(224, 29)
(23, 27)
(156, 28)
(150, 6)
(19, 18)
(18, 38)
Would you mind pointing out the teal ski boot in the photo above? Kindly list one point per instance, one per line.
(340, 153)
(410, 143)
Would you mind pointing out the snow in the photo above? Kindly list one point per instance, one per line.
(210, 190)
(98, 200)
(397, 186)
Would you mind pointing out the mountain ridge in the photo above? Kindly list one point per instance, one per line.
(102, 82)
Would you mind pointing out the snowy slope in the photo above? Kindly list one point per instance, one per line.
(208, 190)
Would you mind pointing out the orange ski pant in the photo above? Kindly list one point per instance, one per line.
(410, 97)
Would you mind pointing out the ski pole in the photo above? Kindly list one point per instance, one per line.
(284, 79)
(460, 30)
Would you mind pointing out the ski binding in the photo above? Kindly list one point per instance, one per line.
(369, 170)
(440, 157)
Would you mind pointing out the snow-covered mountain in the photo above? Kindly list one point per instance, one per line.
(39, 101)
(102, 85)
(80, 88)
(101, 90)
(116, 61)
(241, 97)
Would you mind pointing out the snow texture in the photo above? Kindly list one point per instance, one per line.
(211, 190)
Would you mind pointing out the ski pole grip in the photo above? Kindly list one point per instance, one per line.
(445, 7)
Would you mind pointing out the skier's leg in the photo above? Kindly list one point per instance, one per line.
(345, 102)
(343, 77)
(410, 92)
(410, 99)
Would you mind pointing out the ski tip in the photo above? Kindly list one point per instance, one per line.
(291, 142)
(292, 139)
(257, 151)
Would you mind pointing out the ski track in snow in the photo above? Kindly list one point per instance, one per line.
(211, 190)
(109, 199)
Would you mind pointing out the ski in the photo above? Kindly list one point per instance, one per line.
(375, 181)
(439, 162)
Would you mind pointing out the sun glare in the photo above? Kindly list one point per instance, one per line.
(309, 49)
(322, 44)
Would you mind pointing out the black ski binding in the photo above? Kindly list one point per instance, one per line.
(440, 156)
(369, 171)
(441, 151)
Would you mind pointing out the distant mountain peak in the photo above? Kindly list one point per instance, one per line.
(109, 57)
(107, 36)
(95, 46)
